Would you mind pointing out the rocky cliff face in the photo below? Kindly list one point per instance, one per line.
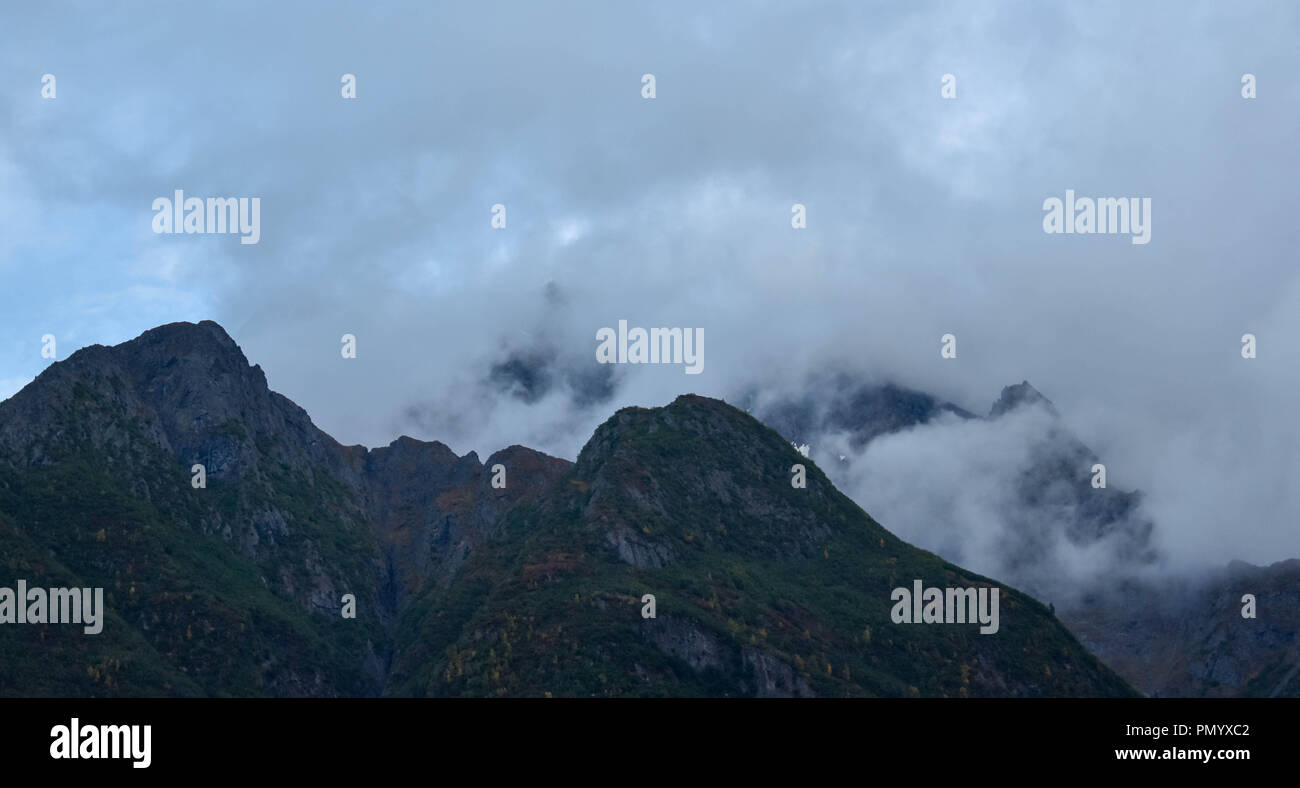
(461, 586)
(430, 508)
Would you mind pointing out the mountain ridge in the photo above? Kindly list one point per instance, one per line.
(464, 588)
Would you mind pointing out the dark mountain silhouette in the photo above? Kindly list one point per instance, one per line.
(461, 587)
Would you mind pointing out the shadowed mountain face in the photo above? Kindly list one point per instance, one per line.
(1168, 634)
(461, 586)
(1187, 637)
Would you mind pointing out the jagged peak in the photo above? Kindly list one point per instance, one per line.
(153, 350)
(406, 443)
(682, 404)
(151, 354)
(182, 336)
(707, 421)
(1019, 395)
(518, 455)
(406, 449)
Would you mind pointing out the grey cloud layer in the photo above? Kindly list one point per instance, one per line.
(924, 214)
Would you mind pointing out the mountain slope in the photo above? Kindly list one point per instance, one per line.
(462, 587)
(1187, 637)
(1043, 498)
(1169, 634)
(235, 588)
(761, 588)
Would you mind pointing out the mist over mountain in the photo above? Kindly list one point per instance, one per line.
(1011, 493)
(923, 217)
(464, 587)
(95, 488)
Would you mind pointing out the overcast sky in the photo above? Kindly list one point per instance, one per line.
(924, 214)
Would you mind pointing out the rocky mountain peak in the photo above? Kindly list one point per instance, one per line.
(1019, 395)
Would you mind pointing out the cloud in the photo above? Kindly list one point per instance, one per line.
(924, 215)
(955, 486)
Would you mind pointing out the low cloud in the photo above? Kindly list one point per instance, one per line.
(923, 218)
(952, 487)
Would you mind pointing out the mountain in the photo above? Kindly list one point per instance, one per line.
(1168, 633)
(222, 590)
(1049, 497)
(1055, 495)
(1020, 395)
(761, 588)
(1187, 637)
(841, 403)
(461, 586)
